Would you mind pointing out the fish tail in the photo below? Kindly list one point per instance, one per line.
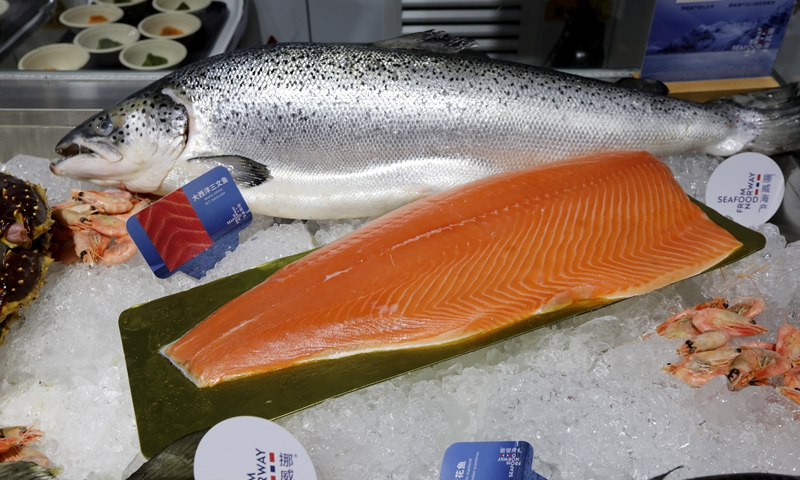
(780, 124)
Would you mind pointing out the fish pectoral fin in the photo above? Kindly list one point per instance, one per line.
(429, 40)
(245, 172)
(662, 477)
(647, 85)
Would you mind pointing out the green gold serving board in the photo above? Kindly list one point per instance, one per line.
(169, 406)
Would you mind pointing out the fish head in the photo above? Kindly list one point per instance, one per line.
(132, 145)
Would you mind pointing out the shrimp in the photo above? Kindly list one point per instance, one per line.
(703, 342)
(109, 201)
(788, 343)
(11, 437)
(733, 324)
(764, 345)
(90, 245)
(679, 325)
(749, 308)
(716, 302)
(90, 213)
(25, 453)
(791, 385)
(755, 366)
(698, 368)
(123, 249)
(676, 326)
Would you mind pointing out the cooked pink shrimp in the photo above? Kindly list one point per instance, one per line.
(716, 302)
(703, 342)
(109, 201)
(755, 366)
(25, 453)
(108, 225)
(676, 326)
(90, 245)
(17, 436)
(698, 368)
(103, 213)
(138, 206)
(733, 324)
(679, 326)
(749, 308)
(791, 385)
(788, 343)
(764, 345)
(122, 250)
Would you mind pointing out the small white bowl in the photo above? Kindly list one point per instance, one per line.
(134, 9)
(172, 5)
(153, 25)
(78, 18)
(121, 4)
(57, 56)
(89, 40)
(3, 7)
(133, 56)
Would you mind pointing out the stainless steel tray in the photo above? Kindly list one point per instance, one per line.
(21, 19)
(223, 24)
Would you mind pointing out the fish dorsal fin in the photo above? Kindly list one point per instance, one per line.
(245, 172)
(648, 85)
(430, 40)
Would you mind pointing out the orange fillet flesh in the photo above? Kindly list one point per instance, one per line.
(465, 262)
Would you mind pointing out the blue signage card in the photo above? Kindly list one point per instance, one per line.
(509, 460)
(714, 39)
(192, 228)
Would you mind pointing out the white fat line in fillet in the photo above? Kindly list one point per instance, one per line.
(465, 303)
(219, 342)
(582, 257)
(614, 207)
(542, 250)
(636, 194)
(494, 280)
(595, 227)
(687, 223)
(649, 248)
(572, 244)
(518, 248)
(652, 233)
(523, 252)
(534, 253)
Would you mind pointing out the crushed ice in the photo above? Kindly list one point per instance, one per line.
(587, 393)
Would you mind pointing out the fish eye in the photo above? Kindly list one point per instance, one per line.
(105, 127)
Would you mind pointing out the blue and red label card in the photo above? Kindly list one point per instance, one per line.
(509, 460)
(191, 229)
(714, 39)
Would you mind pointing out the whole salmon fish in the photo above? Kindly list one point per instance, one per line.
(339, 131)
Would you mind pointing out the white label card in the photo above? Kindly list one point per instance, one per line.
(251, 448)
(747, 187)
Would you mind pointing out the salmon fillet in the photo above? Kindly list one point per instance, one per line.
(465, 262)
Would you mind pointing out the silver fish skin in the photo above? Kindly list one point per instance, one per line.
(317, 131)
